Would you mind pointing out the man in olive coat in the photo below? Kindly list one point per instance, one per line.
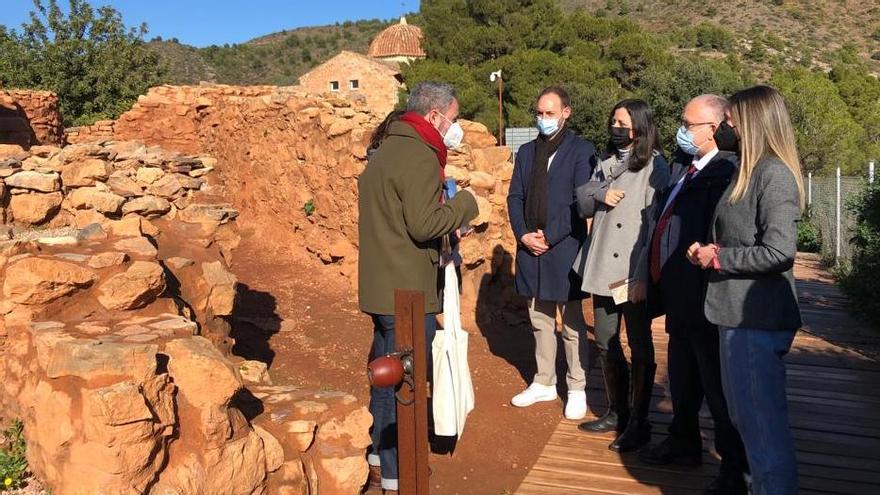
(402, 219)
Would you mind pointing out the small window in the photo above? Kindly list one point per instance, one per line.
(354, 84)
(334, 86)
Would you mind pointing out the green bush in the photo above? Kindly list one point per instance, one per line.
(13, 463)
(808, 236)
(859, 282)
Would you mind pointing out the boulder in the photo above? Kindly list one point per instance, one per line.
(105, 260)
(12, 151)
(221, 286)
(207, 381)
(36, 280)
(124, 186)
(35, 181)
(92, 197)
(168, 186)
(255, 372)
(485, 159)
(35, 208)
(482, 180)
(272, 447)
(140, 246)
(147, 206)
(85, 172)
(207, 213)
(149, 175)
(91, 359)
(134, 288)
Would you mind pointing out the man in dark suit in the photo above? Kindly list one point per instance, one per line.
(541, 203)
(701, 174)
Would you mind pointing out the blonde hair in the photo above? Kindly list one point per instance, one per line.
(760, 115)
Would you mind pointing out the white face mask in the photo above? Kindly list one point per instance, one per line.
(454, 135)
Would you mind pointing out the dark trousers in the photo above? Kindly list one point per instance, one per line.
(753, 374)
(695, 374)
(383, 404)
(607, 317)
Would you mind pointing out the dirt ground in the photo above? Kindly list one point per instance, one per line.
(306, 325)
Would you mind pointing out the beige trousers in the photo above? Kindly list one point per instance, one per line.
(574, 338)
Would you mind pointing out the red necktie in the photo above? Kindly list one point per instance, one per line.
(661, 228)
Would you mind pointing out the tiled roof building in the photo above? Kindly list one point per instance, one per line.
(401, 42)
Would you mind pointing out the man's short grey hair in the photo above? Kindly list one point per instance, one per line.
(718, 105)
(429, 95)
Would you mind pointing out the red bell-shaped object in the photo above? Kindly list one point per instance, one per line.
(385, 371)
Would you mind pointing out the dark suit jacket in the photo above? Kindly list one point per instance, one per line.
(682, 286)
(754, 289)
(550, 277)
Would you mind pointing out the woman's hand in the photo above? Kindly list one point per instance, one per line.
(638, 290)
(613, 196)
(702, 256)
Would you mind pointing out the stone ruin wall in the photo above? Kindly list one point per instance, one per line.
(29, 118)
(278, 149)
(116, 295)
(116, 336)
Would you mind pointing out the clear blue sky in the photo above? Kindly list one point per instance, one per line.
(207, 22)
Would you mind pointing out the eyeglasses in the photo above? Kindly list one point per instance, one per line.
(687, 125)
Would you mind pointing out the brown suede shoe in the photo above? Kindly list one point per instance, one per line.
(375, 478)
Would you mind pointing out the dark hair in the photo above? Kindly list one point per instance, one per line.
(381, 131)
(558, 91)
(646, 140)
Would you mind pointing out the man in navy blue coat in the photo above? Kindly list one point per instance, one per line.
(549, 234)
(701, 173)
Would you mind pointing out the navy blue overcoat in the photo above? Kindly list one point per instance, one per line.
(550, 277)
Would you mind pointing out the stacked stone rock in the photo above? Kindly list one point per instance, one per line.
(279, 150)
(115, 340)
(29, 117)
(52, 185)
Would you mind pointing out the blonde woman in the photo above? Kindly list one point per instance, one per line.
(751, 293)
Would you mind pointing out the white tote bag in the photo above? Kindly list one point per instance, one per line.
(453, 392)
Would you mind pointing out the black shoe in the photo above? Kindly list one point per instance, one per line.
(616, 376)
(727, 484)
(638, 429)
(671, 451)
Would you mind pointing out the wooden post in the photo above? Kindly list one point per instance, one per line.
(412, 420)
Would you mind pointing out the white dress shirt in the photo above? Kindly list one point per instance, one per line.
(699, 164)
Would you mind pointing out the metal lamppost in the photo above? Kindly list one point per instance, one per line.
(496, 77)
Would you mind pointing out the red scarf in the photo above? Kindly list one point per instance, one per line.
(430, 135)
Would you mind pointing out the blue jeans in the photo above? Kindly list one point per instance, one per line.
(383, 404)
(753, 376)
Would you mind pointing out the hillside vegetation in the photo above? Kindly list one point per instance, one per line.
(603, 56)
(278, 58)
(766, 31)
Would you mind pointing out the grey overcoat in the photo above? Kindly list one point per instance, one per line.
(617, 247)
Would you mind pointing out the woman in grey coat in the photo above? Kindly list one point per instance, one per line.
(620, 198)
(751, 294)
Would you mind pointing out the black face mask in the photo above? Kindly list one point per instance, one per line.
(726, 138)
(619, 137)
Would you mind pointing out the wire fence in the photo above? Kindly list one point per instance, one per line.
(827, 197)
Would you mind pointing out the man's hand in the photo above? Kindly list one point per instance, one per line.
(638, 290)
(535, 242)
(613, 196)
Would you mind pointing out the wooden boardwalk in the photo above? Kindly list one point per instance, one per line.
(834, 403)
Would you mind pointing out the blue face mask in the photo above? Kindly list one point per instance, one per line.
(547, 127)
(685, 141)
